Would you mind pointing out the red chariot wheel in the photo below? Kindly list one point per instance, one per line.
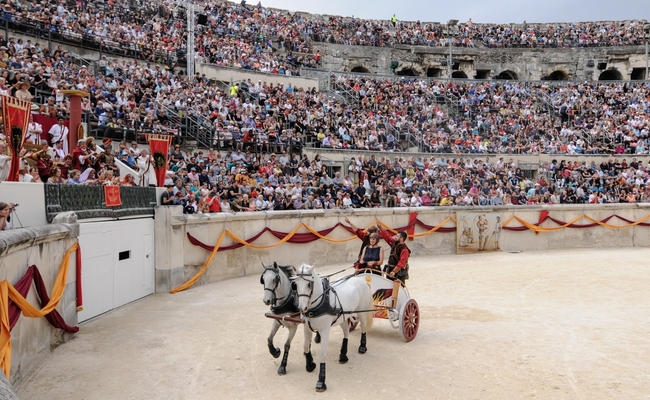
(409, 320)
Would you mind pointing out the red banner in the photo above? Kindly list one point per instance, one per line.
(15, 117)
(112, 196)
(411, 231)
(80, 301)
(159, 148)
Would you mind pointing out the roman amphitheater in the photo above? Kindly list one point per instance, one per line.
(282, 133)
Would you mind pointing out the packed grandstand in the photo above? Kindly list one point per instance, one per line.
(256, 131)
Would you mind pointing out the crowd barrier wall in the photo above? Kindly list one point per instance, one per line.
(32, 339)
(177, 259)
(236, 75)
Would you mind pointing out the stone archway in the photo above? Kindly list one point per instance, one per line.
(507, 74)
(407, 72)
(360, 69)
(610, 75)
(459, 75)
(558, 75)
(434, 72)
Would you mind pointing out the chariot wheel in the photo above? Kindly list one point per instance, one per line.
(353, 322)
(409, 320)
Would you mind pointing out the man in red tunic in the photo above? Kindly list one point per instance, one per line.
(80, 156)
(397, 266)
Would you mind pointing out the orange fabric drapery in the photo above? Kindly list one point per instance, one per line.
(524, 223)
(7, 291)
(202, 270)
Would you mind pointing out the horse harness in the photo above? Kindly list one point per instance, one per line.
(323, 307)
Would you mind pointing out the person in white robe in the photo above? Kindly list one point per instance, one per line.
(59, 132)
(5, 162)
(34, 131)
(146, 169)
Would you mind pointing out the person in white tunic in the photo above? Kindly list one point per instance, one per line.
(146, 169)
(59, 132)
(34, 131)
(5, 162)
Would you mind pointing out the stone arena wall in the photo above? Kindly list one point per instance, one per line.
(177, 260)
(32, 339)
(527, 64)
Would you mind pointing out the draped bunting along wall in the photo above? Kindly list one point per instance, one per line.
(312, 235)
(12, 302)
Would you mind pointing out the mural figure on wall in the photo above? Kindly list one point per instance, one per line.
(478, 232)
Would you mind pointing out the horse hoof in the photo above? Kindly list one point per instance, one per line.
(317, 338)
(321, 387)
(276, 353)
(363, 349)
(310, 367)
(282, 371)
(343, 359)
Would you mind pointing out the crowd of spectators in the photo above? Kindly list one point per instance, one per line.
(500, 117)
(492, 117)
(497, 117)
(242, 181)
(257, 38)
(360, 32)
(261, 124)
(234, 36)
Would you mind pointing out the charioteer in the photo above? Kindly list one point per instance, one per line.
(398, 259)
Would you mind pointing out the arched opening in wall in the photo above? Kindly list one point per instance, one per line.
(459, 75)
(610, 75)
(638, 74)
(360, 69)
(509, 75)
(434, 72)
(558, 76)
(407, 72)
(482, 74)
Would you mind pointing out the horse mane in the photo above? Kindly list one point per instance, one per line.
(287, 269)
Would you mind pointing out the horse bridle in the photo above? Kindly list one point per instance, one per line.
(310, 284)
(276, 280)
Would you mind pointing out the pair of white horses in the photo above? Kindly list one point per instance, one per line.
(292, 289)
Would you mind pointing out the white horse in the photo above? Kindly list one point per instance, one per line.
(283, 301)
(323, 306)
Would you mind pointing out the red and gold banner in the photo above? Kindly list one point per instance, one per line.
(159, 148)
(112, 196)
(411, 231)
(15, 117)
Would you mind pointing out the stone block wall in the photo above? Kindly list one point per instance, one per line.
(177, 259)
(524, 64)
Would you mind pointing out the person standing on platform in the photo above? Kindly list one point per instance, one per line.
(363, 235)
(398, 259)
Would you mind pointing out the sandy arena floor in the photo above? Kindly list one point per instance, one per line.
(559, 325)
